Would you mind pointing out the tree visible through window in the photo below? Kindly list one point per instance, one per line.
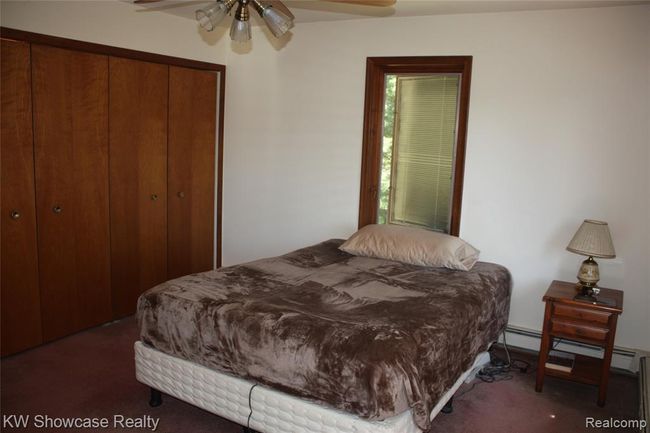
(387, 148)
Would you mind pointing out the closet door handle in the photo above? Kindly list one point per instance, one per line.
(154, 197)
(15, 214)
(57, 209)
(181, 194)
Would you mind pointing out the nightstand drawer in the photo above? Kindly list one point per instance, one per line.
(578, 329)
(585, 314)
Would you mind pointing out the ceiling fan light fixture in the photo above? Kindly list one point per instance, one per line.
(210, 16)
(277, 22)
(240, 30)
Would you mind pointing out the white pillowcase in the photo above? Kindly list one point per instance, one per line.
(412, 245)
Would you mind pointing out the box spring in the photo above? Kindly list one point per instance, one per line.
(272, 411)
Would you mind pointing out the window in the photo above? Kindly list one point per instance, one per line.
(414, 141)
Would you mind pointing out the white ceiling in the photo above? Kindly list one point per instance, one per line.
(321, 10)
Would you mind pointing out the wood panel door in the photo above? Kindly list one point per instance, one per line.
(20, 298)
(191, 164)
(138, 152)
(70, 96)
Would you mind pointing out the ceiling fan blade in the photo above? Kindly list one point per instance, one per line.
(145, 1)
(341, 7)
(187, 6)
(366, 2)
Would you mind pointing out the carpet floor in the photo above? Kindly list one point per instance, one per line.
(92, 374)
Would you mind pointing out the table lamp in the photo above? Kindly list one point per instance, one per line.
(592, 240)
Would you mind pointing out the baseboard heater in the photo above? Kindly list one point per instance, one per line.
(644, 392)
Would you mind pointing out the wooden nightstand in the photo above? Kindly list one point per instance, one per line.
(592, 324)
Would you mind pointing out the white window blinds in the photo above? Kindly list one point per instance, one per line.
(423, 150)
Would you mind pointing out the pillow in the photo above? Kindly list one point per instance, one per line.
(412, 245)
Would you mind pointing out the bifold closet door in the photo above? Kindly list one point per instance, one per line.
(70, 97)
(191, 164)
(138, 152)
(20, 299)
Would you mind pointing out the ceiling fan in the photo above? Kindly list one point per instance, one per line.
(276, 15)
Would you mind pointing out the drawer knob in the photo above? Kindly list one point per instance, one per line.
(154, 197)
(15, 214)
(57, 209)
(181, 194)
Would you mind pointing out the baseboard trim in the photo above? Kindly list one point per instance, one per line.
(529, 339)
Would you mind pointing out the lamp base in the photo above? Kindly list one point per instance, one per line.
(586, 294)
(586, 298)
(588, 274)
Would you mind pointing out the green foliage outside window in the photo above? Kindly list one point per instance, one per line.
(387, 148)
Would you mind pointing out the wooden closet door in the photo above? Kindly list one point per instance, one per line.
(191, 153)
(138, 145)
(20, 297)
(70, 94)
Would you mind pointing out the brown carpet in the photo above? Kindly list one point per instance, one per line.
(91, 374)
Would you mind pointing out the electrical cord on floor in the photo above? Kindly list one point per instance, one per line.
(555, 344)
(250, 407)
(498, 369)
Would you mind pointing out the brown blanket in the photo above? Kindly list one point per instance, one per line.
(368, 336)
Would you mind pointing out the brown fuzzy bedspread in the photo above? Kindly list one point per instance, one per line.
(368, 336)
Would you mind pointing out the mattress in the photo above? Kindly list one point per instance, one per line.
(370, 337)
(270, 411)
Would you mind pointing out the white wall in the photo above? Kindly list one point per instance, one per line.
(558, 131)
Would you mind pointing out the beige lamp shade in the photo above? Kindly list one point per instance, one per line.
(593, 239)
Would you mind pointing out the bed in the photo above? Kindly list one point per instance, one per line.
(321, 340)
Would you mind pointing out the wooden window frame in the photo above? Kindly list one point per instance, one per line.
(373, 119)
